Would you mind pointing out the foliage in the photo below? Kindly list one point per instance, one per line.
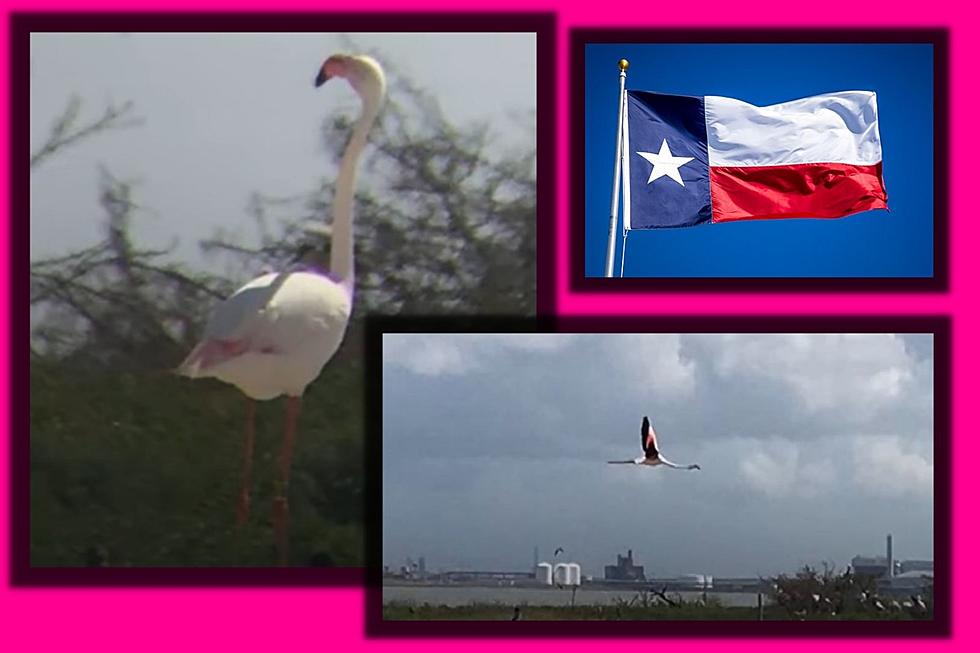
(653, 597)
(812, 594)
(133, 466)
(115, 303)
(623, 611)
(67, 131)
(143, 467)
(809, 595)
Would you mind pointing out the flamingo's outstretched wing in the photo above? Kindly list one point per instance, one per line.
(648, 438)
(676, 466)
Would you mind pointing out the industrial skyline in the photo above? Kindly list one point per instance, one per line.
(626, 568)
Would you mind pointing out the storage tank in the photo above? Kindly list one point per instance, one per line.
(542, 573)
(568, 573)
(561, 573)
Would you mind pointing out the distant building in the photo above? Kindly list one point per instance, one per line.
(695, 581)
(624, 569)
(886, 567)
(874, 566)
(916, 565)
(909, 581)
(413, 570)
(475, 575)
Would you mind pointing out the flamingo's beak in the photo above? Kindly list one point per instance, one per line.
(334, 66)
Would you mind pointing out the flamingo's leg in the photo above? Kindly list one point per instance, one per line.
(244, 498)
(280, 516)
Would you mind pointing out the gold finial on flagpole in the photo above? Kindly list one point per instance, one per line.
(623, 64)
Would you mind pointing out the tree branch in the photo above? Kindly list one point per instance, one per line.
(64, 132)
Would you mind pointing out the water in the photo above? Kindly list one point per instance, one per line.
(455, 595)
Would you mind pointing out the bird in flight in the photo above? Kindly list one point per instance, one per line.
(651, 451)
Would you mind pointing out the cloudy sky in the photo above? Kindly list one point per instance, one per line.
(225, 115)
(812, 447)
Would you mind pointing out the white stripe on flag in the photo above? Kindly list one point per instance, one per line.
(837, 127)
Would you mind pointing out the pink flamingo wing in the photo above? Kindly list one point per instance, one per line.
(212, 352)
(649, 438)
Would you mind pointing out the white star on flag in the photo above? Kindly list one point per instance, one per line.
(665, 164)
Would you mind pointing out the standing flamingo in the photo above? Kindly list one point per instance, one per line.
(274, 334)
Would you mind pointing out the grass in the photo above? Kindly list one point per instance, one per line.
(399, 611)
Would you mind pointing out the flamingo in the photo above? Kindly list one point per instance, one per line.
(274, 335)
(652, 456)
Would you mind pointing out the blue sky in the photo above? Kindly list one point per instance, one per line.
(898, 243)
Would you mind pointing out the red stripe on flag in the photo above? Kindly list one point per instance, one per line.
(808, 190)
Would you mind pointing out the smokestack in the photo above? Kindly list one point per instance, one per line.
(891, 562)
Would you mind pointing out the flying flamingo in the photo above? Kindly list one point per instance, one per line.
(274, 334)
(648, 438)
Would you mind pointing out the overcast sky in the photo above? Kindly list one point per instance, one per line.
(225, 115)
(812, 448)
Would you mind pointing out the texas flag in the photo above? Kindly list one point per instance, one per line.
(693, 160)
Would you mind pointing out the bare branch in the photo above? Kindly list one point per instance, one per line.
(65, 132)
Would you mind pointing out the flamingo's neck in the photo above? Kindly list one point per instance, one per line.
(342, 240)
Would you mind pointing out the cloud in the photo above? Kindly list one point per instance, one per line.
(777, 469)
(425, 354)
(811, 447)
(434, 354)
(654, 362)
(856, 374)
(535, 342)
(884, 466)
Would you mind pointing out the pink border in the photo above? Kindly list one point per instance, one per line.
(300, 619)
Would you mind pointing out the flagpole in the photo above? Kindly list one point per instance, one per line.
(622, 263)
(614, 210)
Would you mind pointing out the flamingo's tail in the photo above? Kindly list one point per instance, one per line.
(191, 367)
(207, 354)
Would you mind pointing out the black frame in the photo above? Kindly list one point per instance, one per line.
(938, 37)
(939, 626)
